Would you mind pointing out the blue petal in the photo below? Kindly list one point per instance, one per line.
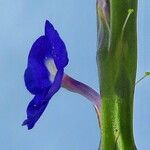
(39, 50)
(37, 106)
(36, 75)
(58, 48)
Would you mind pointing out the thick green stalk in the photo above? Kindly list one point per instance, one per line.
(117, 61)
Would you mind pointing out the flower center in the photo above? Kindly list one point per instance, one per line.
(51, 67)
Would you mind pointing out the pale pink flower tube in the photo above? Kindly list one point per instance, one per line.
(82, 89)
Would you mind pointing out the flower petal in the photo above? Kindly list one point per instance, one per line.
(37, 106)
(39, 50)
(58, 48)
(36, 75)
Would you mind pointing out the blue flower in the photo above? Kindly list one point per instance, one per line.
(44, 72)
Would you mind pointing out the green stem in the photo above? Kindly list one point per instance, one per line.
(117, 61)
